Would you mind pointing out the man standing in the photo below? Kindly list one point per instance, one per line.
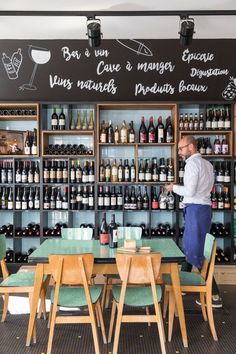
(196, 190)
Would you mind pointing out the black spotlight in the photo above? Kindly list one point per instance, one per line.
(94, 32)
(186, 30)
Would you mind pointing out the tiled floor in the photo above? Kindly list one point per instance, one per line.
(135, 338)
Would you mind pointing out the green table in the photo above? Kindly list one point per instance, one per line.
(104, 263)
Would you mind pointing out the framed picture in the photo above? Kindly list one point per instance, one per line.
(11, 142)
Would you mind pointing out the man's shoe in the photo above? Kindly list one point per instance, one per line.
(215, 303)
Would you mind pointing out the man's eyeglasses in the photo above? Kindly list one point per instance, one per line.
(180, 148)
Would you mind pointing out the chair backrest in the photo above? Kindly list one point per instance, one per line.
(138, 268)
(209, 254)
(77, 233)
(129, 233)
(2, 246)
(69, 269)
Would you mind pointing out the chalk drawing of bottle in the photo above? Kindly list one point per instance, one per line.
(229, 92)
(16, 60)
(9, 67)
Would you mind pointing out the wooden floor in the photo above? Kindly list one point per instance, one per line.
(135, 338)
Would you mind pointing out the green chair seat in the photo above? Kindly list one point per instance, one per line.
(186, 278)
(137, 296)
(19, 279)
(75, 297)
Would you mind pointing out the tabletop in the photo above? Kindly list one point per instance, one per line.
(170, 252)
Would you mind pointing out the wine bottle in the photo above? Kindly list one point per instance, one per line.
(108, 171)
(78, 173)
(18, 199)
(190, 122)
(141, 172)
(72, 122)
(36, 173)
(113, 198)
(78, 122)
(169, 131)
(151, 131)
(195, 122)
(162, 199)
(110, 133)
(85, 173)
(54, 120)
(139, 199)
(126, 170)
(114, 172)
(120, 172)
(27, 145)
(107, 198)
(113, 233)
(73, 198)
(104, 234)
(102, 172)
(10, 199)
(160, 131)
(91, 173)
(85, 122)
(132, 172)
(224, 146)
(79, 198)
(143, 137)
(24, 205)
(72, 172)
(46, 199)
(31, 199)
(46, 175)
(52, 172)
(181, 121)
(100, 198)
(65, 173)
(34, 143)
(119, 198)
(131, 135)
(145, 199)
(116, 135)
(91, 198)
(154, 199)
(124, 133)
(155, 174)
(133, 199)
(36, 200)
(65, 199)
(91, 121)
(62, 120)
(186, 121)
(103, 133)
(18, 177)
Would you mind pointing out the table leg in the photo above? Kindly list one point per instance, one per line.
(179, 301)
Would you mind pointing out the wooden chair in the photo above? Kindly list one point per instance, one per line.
(77, 233)
(21, 282)
(137, 269)
(71, 274)
(124, 233)
(195, 282)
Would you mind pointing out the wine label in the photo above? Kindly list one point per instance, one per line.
(115, 235)
(154, 205)
(131, 138)
(36, 204)
(10, 205)
(100, 201)
(225, 149)
(18, 205)
(58, 204)
(91, 178)
(104, 239)
(143, 138)
(103, 138)
(34, 150)
(141, 176)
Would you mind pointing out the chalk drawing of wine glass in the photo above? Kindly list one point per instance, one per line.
(39, 56)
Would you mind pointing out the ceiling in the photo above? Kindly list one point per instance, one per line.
(115, 27)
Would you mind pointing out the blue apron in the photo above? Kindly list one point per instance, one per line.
(197, 224)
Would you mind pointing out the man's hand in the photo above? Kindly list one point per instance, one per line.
(169, 187)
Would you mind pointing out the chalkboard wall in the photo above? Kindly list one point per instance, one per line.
(119, 70)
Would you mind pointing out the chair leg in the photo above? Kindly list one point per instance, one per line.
(117, 330)
(108, 292)
(112, 320)
(99, 312)
(210, 315)
(203, 307)
(50, 316)
(160, 328)
(5, 307)
(171, 314)
(165, 303)
(94, 331)
(104, 293)
(97, 316)
(52, 326)
(147, 313)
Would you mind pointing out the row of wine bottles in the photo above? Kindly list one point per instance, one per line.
(55, 171)
(31, 230)
(222, 171)
(81, 122)
(30, 143)
(124, 135)
(81, 198)
(148, 171)
(9, 111)
(18, 257)
(219, 147)
(68, 149)
(220, 198)
(218, 229)
(216, 118)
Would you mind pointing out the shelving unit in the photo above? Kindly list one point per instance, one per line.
(116, 113)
